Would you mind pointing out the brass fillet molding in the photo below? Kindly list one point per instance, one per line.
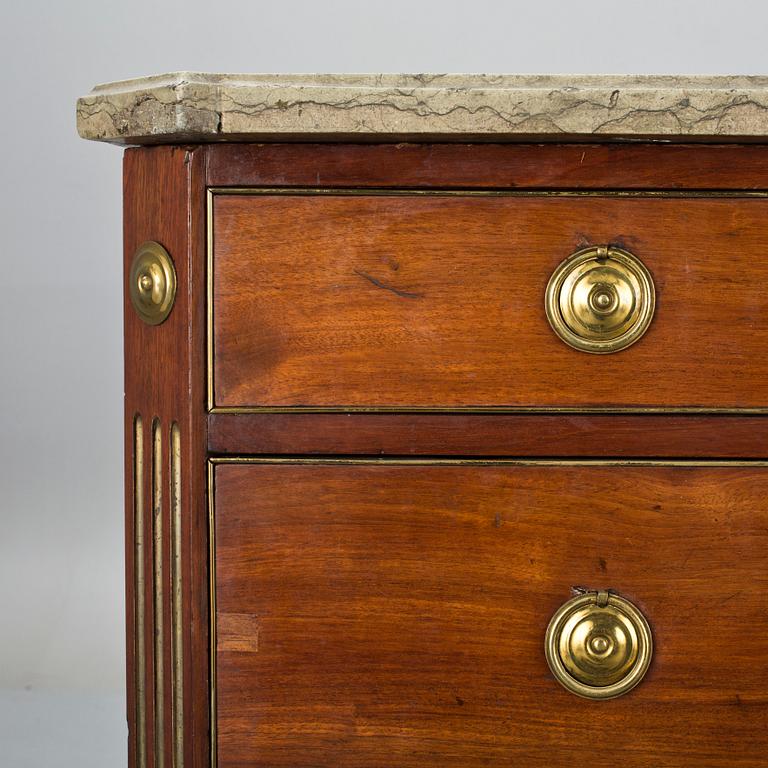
(212, 192)
(139, 607)
(157, 542)
(497, 410)
(495, 462)
(177, 617)
(153, 549)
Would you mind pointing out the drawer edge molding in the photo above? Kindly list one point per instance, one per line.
(212, 191)
(495, 462)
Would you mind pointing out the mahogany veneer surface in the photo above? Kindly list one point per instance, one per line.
(491, 166)
(385, 615)
(438, 301)
(507, 434)
(165, 384)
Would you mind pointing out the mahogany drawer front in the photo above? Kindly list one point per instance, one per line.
(393, 614)
(437, 301)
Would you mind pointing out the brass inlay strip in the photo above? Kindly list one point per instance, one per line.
(209, 245)
(408, 461)
(492, 409)
(176, 598)
(157, 541)
(383, 192)
(214, 461)
(212, 609)
(139, 653)
(455, 192)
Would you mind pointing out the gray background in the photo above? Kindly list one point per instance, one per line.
(61, 550)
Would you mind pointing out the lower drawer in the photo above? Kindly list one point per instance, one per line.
(393, 613)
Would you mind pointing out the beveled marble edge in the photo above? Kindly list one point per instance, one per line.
(185, 106)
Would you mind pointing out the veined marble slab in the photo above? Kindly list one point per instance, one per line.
(186, 106)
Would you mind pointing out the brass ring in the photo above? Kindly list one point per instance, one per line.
(600, 299)
(598, 645)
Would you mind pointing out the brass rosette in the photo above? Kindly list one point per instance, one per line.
(152, 283)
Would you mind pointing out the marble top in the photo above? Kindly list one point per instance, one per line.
(186, 107)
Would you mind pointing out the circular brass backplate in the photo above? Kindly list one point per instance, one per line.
(600, 299)
(598, 645)
(152, 283)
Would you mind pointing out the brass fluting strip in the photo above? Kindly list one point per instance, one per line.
(139, 654)
(176, 598)
(157, 518)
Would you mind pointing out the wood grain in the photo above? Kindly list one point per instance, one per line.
(165, 380)
(431, 301)
(625, 435)
(572, 166)
(401, 612)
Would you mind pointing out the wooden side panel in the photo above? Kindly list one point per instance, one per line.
(483, 166)
(165, 470)
(433, 301)
(442, 434)
(378, 616)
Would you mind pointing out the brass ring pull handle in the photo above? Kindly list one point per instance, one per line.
(600, 299)
(598, 645)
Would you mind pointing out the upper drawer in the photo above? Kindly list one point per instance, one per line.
(413, 300)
